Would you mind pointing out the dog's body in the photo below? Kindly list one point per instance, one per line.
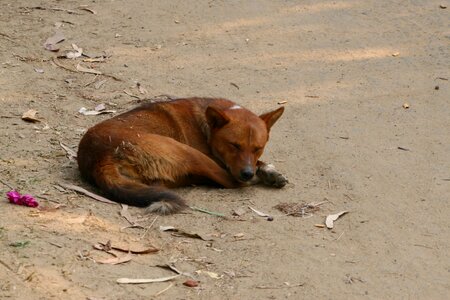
(134, 157)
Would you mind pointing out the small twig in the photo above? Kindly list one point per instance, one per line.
(347, 196)
(131, 95)
(148, 228)
(6, 265)
(56, 245)
(7, 184)
(164, 290)
(86, 192)
(266, 287)
(424, 246)
(207, 211)
(235, 85)
(340, 236)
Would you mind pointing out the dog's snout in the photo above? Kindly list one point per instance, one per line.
(246, 174)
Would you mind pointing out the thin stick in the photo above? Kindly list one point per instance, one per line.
(148, 228)
(86, 192)
(340, 236)
(57, 63)
(164, 290)
(7, 184)
(207, 211)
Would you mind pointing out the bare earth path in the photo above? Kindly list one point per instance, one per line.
(344, 68)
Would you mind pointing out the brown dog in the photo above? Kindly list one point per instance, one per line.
(134, 157)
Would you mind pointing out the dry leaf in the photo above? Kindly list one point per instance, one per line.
(127, 216)
(141, 89)
(405, 105)
(239, 211)
(91, 60)
(50, 43)
(86, 192)
(86, 112)
(395, 54)
(30, 116)
(143, 280)
(71, 155)
(74, 54)
(100, 107)
(298, 209)
(260, 213)
(116, 260)
(40, 71)
(99, 84)
(210, 274)
(174, 269)
(331, 218)
(88, 70)
(84, 7)
(135, 249)
(239, 235)
(180, 232)
(190, 283)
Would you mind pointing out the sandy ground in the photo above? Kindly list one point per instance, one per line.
(344, 68)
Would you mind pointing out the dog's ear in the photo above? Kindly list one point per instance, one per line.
(271, 117)
(216, 118)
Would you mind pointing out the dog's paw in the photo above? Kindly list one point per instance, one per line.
(271, 177)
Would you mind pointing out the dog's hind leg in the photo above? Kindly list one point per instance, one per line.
(164, 159)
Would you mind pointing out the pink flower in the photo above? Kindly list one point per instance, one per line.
(13, 197)
(26, 200)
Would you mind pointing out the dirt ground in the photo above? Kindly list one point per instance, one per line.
(344, 68)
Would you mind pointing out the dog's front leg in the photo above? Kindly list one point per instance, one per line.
(268, 175)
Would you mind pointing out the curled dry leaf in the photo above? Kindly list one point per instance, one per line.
(30, 116)
(259, 213)
(132, 248)
(329, 221)
(86, 112)
(84, 7)
(74, 54)
(117, 260)
(51, 43)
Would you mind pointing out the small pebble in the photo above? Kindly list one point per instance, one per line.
(269, 218)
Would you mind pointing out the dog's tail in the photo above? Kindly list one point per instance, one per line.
(123, 189)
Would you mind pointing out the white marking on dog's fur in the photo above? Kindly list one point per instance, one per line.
(235, 107)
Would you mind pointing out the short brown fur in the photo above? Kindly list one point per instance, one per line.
(134, 157)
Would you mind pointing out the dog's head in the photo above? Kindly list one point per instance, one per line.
(238, 137)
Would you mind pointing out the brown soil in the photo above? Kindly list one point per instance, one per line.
(345, 69)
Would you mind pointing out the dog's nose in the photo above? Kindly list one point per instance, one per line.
(246, 174)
